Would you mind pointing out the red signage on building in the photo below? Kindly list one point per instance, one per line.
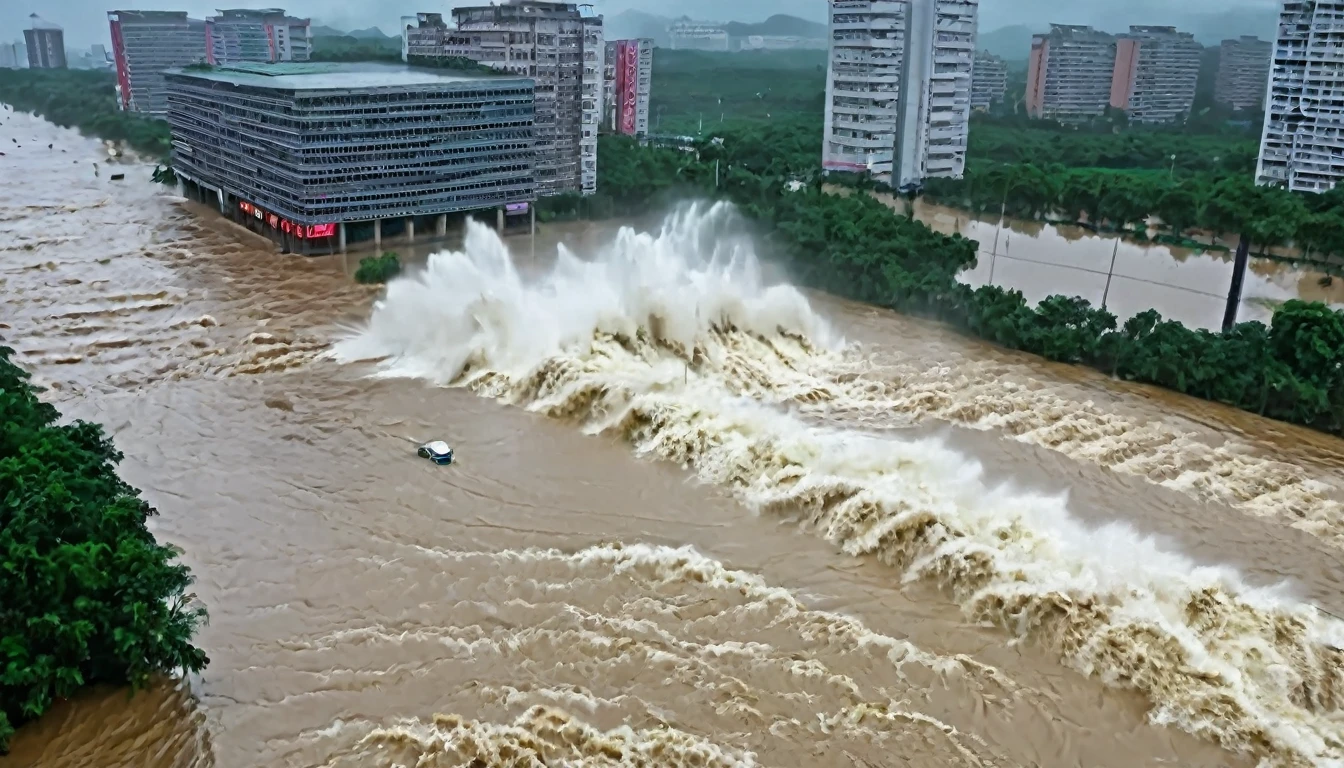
(627, 84)
(284, 225)
(123, 70)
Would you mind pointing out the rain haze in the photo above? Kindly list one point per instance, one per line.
(1211, 20)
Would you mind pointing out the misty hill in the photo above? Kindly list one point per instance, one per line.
(779, 25)
(370, 33)
(321, 31)
(1009, 43)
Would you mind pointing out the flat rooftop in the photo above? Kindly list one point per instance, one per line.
(325, 76)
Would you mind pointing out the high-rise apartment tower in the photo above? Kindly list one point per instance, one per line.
(898, 88)
(1302, 145)
(1243, 72)
(560, 46)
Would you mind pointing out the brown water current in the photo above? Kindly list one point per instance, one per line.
(669, 541)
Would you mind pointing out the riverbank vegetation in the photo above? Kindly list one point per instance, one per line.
(856, 247)
(84, 99)
(347, 48)
(378, 269)
(87, 596)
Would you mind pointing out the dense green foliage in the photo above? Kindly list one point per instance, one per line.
(459, 63)
(725, 88)
(86, 594)
(855, 246)
(346, 48)
(1222, 204)
(378, 269)
(85, 99)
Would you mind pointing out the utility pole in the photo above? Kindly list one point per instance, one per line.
(1238, 278)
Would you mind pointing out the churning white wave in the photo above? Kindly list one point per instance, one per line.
(674, 342)
(472, 308)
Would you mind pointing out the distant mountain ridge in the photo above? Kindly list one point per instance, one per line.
(367, 33)
(779, 25)
(1008, 43)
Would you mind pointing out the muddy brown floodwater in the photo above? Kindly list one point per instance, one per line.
(907, 548)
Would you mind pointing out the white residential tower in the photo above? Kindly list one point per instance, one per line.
(898, 90)
(1302, 145)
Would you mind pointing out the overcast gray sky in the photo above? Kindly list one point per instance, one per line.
(85, 21)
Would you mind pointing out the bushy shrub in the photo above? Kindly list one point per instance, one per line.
(378, 269)
(86, 594)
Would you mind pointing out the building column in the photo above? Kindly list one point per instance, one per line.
(441, 226)
(499, 219)
(340, 235)
(223, 201)
(378, 234)
(410, 229)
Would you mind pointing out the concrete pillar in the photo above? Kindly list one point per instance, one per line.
(378, 234)
(499, 219)
(410, 229)
(223, 201)
(340, 235)
(441, 226)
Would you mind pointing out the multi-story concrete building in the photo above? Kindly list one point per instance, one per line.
(46, 44)
(144, 45)
(238, 35)
(557, 44)
(1156, 69)
(594, 68)
(305, 151)
(1243, 72)
(898, 89)
(1302, 145)
(628, 84)
(696, 36)
(13, 56)
(1070, 73)
(989, 82)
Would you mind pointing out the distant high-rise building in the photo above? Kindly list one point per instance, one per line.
(239, 35)
(46, 44)
(1076, 73)
(1070, 73)
(557, 44)
(11, 58)
(1156, 71)
(694, 36)
(898, 88)
(628, 82)
(1302, 145)
(1243, 72)
(989, 82)
(144, 44)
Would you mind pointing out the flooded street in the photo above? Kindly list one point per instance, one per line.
(695, 520)
(1127, 277)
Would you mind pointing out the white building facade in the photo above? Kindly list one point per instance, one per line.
(560, 46)
(898, 88)
(1302, 143)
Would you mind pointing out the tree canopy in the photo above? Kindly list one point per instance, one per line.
(87, 595)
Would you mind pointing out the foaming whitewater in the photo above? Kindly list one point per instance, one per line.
(674, 340)
(473, 309)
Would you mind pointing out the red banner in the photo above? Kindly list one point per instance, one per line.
(627, 83)
(123, 70)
